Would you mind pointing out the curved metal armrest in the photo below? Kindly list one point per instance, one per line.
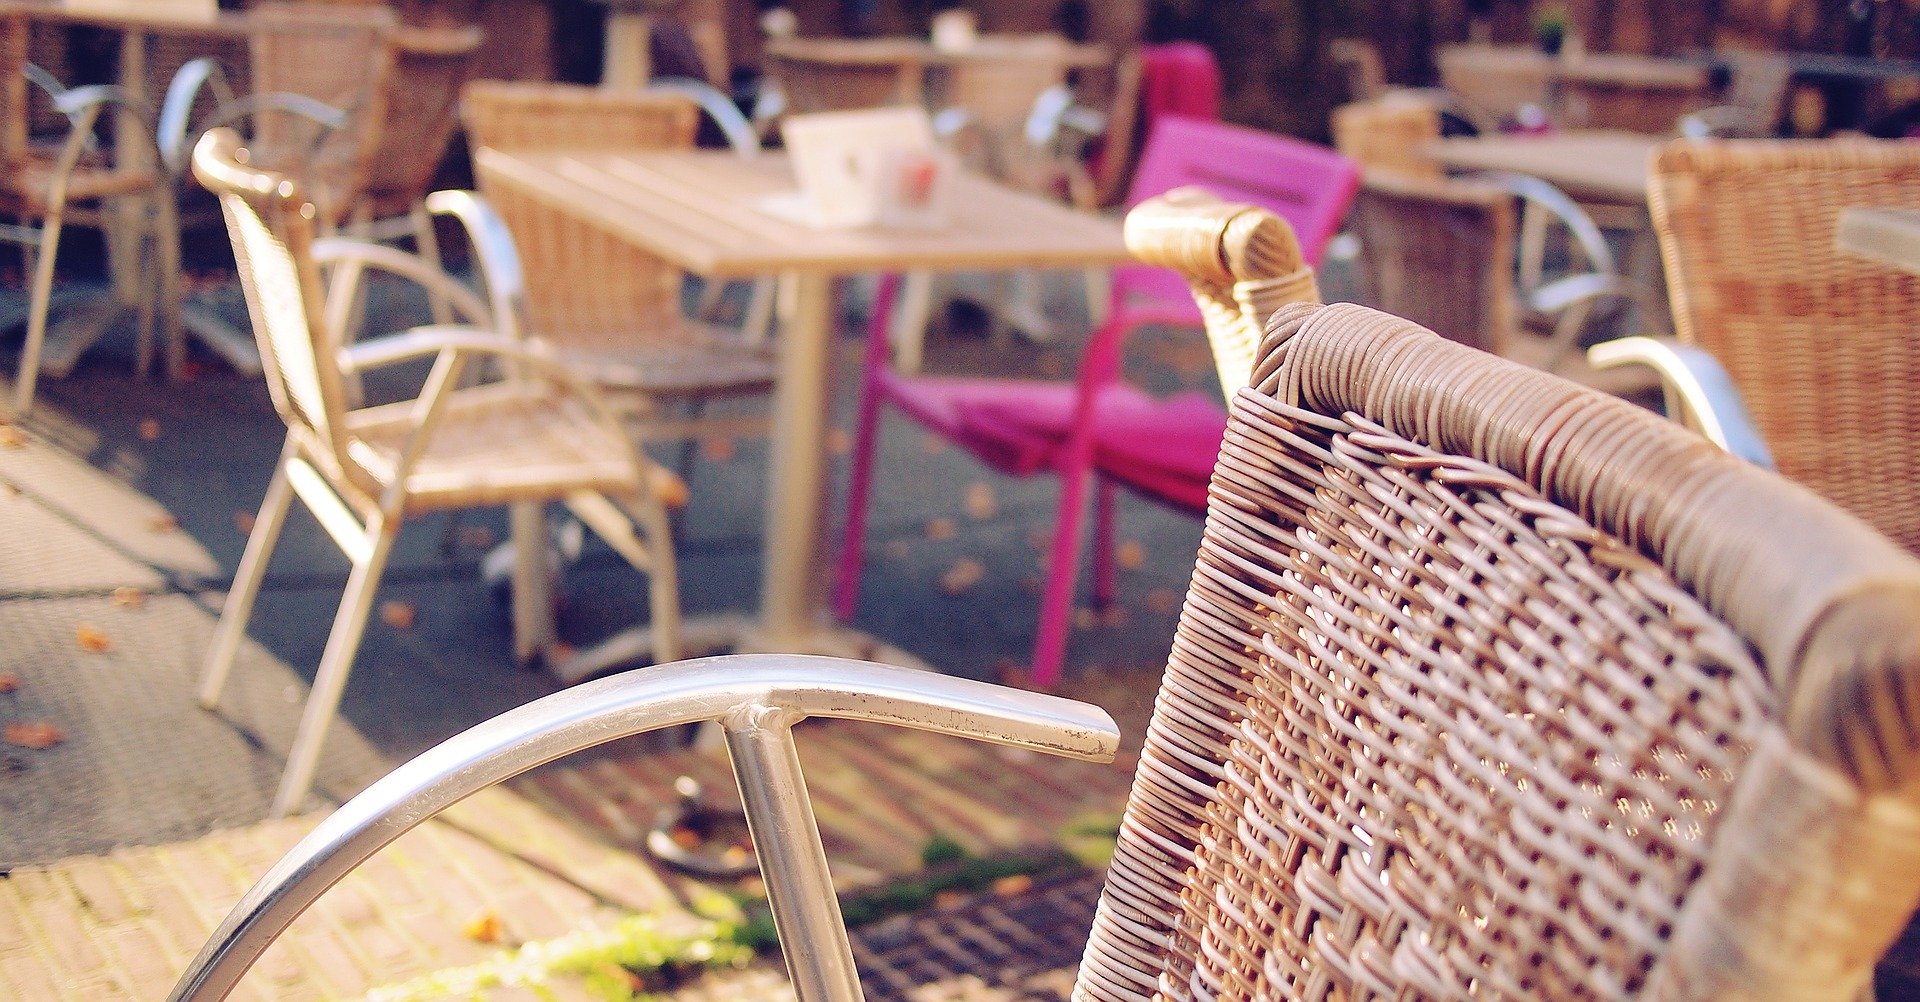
(1541, 196)
(498, 257)
(351, 258)
(49, 84)
(82, 107)
(740, 133)
(757, 698)
(1723, 121)
(1699, 393)
(176, 108)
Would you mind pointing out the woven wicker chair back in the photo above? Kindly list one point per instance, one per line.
(1418, 235)
(815, 85)
(1388, 134)
(1361, 69)
(600, 290)
(1483, 687)
(272, 226)
(1820, 342)
(337, 55)
(14, 104)
(430, 65)
(1497, 80)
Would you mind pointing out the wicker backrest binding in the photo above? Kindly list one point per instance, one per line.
(1388, 134)
(272, 224)
(1489, 684)
(590, 284)
(1418, 235)
(1820, 342)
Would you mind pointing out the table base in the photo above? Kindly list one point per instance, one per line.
(735, 633)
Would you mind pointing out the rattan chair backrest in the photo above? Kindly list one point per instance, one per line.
(828, 85)
(1360, 66)
(1422, 234)
(591, 288)
(14, 107)
(337, 55)
(272, 225)
(1819, 341)
(422, 105)
(1489, 684)
(1389, 134)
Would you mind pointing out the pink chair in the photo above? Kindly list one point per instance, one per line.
(1160, 448)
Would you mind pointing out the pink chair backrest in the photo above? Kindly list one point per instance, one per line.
(1179, 78)
(1309, 186)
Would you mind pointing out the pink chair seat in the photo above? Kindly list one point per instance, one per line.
(1015, 426)
(1164, 448)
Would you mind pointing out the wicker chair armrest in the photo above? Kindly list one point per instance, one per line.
(495, 254)
(742, 137)
(757, 698)
(1699, 393)
(350, 259)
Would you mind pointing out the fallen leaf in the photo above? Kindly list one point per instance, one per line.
(484, 928)
(1039, 539)
(476, 537)
(397, 614)
(717, 448)
(244, 521)
(1163, 600)
(1013, 885)
(34, 734)
(163, 523)
(8, 492)
(671, 490)
(932, 445)
(11, 437)
(1030, 584)
(9, 682)
(940, 528)
(1051, 365)
(89, 638)
(896, 549)
(148, 430)
(1085, 618)
(981, 503)
(949, 898)
(129, 597)
(839, 441)
(964, 574)
(684, 837)
(1114, 616)
(1130, 555)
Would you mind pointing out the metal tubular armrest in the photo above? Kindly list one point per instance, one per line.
(725, 114)
(350, 258)
(176, 108)
(493, 249)
(1698, 391)
(757, 698)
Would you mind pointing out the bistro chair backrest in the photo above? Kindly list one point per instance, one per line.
(1422, 234)
(337, 55)
(272, 224)
(15, 108)
(1389, 133)
(421, 107)
(1820, 342)
(823, 84)
(1489, 683)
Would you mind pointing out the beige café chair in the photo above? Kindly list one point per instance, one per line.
(1818, 342)
(1486, 683)
(610, 310)
(534, 437)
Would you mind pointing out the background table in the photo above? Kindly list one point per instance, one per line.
(1601, 166)
(1889, 236)
(698, 211)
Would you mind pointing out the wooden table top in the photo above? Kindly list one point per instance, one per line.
(1615, 68)
(906, 50)
(144, 15)
(1889, 236)
(700, 211)
(1596, 165)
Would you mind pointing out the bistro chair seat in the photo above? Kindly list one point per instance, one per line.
(535, 435)
(1486, 684)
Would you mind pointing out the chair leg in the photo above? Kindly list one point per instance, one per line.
(1105, 498)
(853, 539)
(914, 300)
(166, 236)
(40, 300)
(151, 283)
(349, 626)
(757, 323)
(246, 585)
(652, 556)
(1063, 565)
(532, 603)
(428, 245)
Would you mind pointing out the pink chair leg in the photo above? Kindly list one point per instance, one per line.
(1104, 499)
(846, 591)
(1063, 566)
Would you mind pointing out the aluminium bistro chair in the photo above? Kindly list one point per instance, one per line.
(1486, 685)
(534, 437)
(1022, 427)
(609, 310)
(47, 183)
(1818, 342)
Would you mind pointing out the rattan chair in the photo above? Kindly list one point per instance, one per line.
(48, 182)
(1486, 685)
(535, 437)
(1819, 342)
(610, 310)
(1388, 134)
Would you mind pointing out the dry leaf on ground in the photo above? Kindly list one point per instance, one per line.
(243, 521)
(932, 444)
(129, 597)
(981, 502)
(11, 437)
(1085, 618)
(485, 928)
(1114, 616)
(717, 448)
(397, 614)
(896, 549)
(1130, 555)
(148, 430)
(940, 528)
(9, 681)
(90, 638)
(34, 734)
(1163, 600)
(949, 898)
(839, 442)
(964, 574)
(476, 537)
(1013, 885)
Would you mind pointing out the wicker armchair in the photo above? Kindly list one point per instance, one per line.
(1485, 684)
(1819, 342)
(611, 311)
(534, 437)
